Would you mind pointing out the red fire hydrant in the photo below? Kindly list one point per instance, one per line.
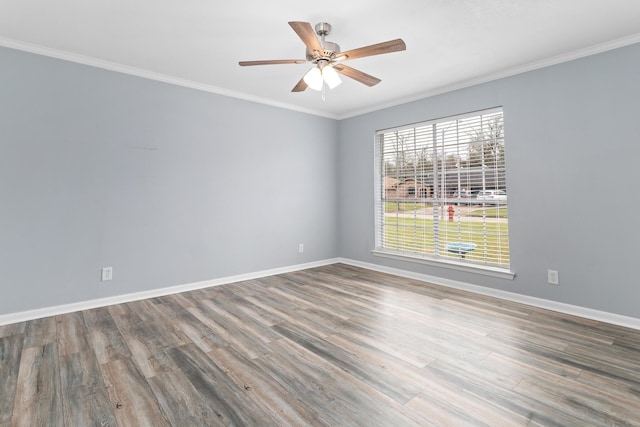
(451, 210)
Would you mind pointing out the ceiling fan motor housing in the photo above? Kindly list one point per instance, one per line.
(331, 49)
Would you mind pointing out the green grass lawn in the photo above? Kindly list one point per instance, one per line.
(417, 235)
(497, 212)
(402, 206)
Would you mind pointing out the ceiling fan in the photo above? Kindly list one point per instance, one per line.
(328, 59)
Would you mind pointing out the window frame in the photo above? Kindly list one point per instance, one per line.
(435, 259)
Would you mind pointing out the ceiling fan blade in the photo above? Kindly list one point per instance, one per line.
(308, 37)
(374, 49)
(357, 75)
(273, 62)
(300, 86)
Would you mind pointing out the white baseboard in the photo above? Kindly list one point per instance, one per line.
(6, 319)
(602, 316)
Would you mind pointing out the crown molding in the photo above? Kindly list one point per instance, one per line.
(138, 72)
(146, 74)
(532, 66)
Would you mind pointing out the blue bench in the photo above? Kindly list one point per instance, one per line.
(460, 248)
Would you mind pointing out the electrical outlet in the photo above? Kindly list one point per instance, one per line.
(300, 248)
(107, 274)
(552, 277)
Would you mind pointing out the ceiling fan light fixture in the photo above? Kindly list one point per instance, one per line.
(331, 76)
(313, 78)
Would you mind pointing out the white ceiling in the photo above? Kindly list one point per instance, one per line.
(198, 43)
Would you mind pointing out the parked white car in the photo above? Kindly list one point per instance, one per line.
(497, 196)
(463, 194)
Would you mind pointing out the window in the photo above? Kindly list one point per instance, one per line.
(441, 191)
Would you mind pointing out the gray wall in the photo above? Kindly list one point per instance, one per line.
(166, 184)
(572, 147)
(172, 186)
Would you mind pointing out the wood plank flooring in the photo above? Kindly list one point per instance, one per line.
(329, 346)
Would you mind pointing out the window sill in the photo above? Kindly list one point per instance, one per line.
(450, 264)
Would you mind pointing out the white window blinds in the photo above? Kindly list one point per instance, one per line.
(441, 190)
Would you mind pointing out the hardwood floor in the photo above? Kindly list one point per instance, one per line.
(330, 346)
